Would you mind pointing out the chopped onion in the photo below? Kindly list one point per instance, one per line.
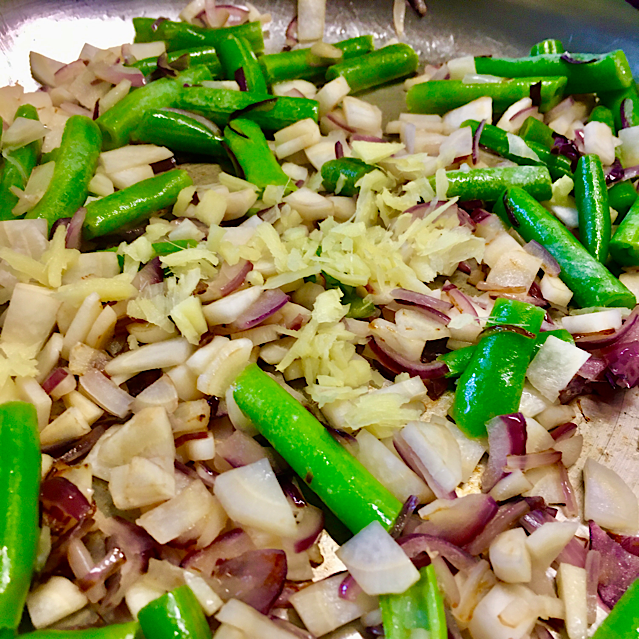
(510, 558)
(505, 518)
(267, 304)
(506, 436)
(416, 544)
(105, 393)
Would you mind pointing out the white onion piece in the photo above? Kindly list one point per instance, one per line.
(545, 543)
(105, 393)
(251, 622)
(555, 364)
(252, 496)
(331, 94)
(593, 322)
(43, 69)
(629, 145)
(510, 558)
(460, 67)
(53, 601)
(511, 485)
(22, 131)
(323, 610)
(538, 438)
(377, 562)
(598, 139)
(229, 308)
(161, 393)
(480, 109)
(140, 483)
(608, 500)
(570, 449)
(532, 402)
(310, 20)
(171, 352)
(571, 585)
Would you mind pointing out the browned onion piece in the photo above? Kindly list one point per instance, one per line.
(63, 501)
(506, 436)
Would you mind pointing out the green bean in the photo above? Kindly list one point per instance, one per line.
(206, 56)
(624, 105)
(621, 197)
(488, 184)
(624, 246)
(389, 63)
(440, 96)
(340, 176)
(239, 63)
(493, 381)
(532, 130)
(603, 114)
(129, 630)
(220, 105)
(193, 75)
(590, 281)
(623, 620)
(180, 133)
(134, 204)
(591, 197)
(301, 63)
(590, 73)
(498, 140)
(250, 148)
(121, 120)
(74, 168)
(18, 164)
(547, 46)
(341, 482)
(20, 481)
(181, 35)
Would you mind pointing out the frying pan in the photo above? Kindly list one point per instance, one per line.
(451, 28)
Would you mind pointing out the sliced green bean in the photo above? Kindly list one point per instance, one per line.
(206, 56)
(604, 115)
(624, 246)
(134, 204)
(114, 631)
(341, 482)
(489, 184)
(180, 133)
(392, 62)
(17, 168)
(532, 130)
(591, 197)
(239, 63)
(271, 113)
(302, 64)
(590, 281)
(340, 176)
(441, 96)
(624, 105)
(589, 73)
(547, 46)
(181, 35)
(250, 148)
(621, 197)
(74, 168)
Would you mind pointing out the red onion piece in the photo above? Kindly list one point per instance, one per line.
(70, 452)
(506, 517)
(75, 109)
(460, 523)
(631, 172)
(63, 221)
(255, 577)
(228, 545)
(619, 568)
(74, 229)
(237, 15)
(290, 628)
(563, 431)
(239, 450)
(476, 138)
(291, 33)
(162, 166)
(150, 273)
(339, 150)
(615, 172)
(566, 57)
(593, 568)
(629, 543)
(349, 589)
(229, 279)
(357, 137)
(205, 474)
(541, 632)
(414, 545)
(571, 509)
(464, 267)
(550, 264)
(408, 507)
(105, 393)
(340, 123)
(532, 460)
(506, 436)
(593, 368)
(418, 299)
(310, 523)
(465, 219)
(53, 379)
(101, 571)
(460, 300)
(479, 215)
(198, 118)
(240, 78)
(115, 73)
(63, 501)
(623, 363)
(267, 304)
(396, 363)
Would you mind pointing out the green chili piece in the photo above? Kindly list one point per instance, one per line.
(440, 96)
(166, 248)
(250, 148)
(206, 56)
(623, 620)
(589, 73)
(533, 130)
(498, 140)
(488, 184)
(340, 176)
(175, 615)
(340, 481)
(547, 46)
(120, 121)
(591, 197)
(237, 59)
(590, 281)
(602, 114)
(181, 35)
(624, 105)
(624, 246)
(621, 197)
(134, 204)
(115, 631)
(389, 63)
(193, 75)
(559, 333)
(20, 481)
(359, 307)
(17, 168)
(180, 133)
(271, 113)
(493, 381)
(76, 163)
(302, 65)
(421, 606)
